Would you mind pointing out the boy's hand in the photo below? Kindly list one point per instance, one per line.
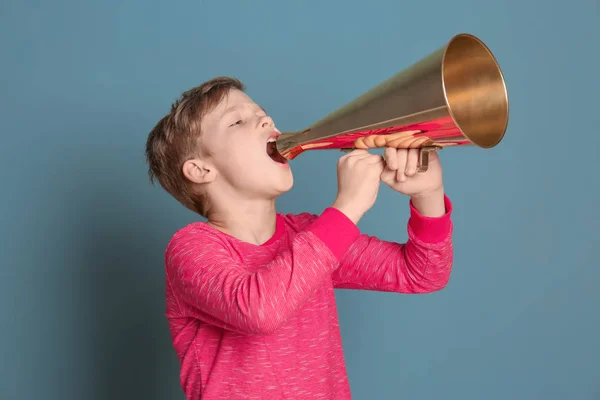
(359, 177)
(425, 188)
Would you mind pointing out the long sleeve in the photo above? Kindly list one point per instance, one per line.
(211, 285)
(421, 265)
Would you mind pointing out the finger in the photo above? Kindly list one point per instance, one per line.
(391, 158)
(388, 176)
(346, 154)
(434, 157)
(360, 154)
(355, 155)
(375, 159)
(401, 155)
(412, 160)
(382, 167)
(354, 152)
(379, 162)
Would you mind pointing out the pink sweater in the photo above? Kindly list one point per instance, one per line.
(260, 322)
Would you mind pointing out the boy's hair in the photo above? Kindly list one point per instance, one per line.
(175, 139)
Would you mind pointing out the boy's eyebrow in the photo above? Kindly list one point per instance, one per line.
(233, 108)
(227, 111)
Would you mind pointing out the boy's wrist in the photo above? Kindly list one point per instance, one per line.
(430, 204)
(431, 229)
(349, 211)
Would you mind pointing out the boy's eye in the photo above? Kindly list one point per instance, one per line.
(236, 123)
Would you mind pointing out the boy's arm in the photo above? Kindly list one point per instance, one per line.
(209, 284)
(421, 265)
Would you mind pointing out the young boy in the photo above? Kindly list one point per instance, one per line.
(250, 292)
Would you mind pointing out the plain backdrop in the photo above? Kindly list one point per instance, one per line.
(83, 232)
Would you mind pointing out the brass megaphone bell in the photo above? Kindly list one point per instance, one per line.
(455, 96)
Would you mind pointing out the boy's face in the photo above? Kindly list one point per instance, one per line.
(236, 134)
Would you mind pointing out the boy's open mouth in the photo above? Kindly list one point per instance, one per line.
(274, 153)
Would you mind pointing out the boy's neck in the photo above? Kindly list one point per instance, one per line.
(252, 222)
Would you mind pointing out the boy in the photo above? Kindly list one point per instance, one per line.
(250, 292)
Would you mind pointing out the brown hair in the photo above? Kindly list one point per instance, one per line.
(175, 139)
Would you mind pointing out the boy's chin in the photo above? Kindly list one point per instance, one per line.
(285, 185)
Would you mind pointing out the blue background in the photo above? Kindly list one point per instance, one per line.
(83, 232)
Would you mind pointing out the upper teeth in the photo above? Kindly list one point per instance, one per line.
(271, 140)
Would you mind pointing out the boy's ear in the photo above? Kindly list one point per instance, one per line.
(199, 171)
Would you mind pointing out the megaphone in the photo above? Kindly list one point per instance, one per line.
(455, 96)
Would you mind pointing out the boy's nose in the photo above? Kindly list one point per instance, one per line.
(266, 122)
